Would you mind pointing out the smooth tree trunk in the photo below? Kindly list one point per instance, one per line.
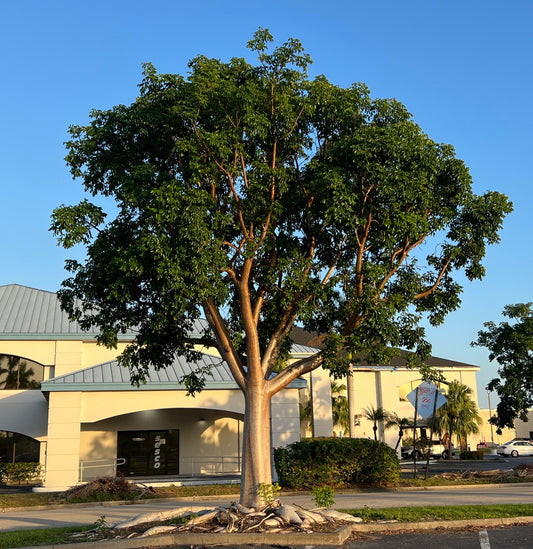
(449, 445)
(256, 468)
(400, 436)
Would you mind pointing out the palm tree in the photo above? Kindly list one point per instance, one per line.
(459, 416)
(376, 415)
(17, 374)
(339, 406)
(401, 423)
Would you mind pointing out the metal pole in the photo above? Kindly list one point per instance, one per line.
(431, 432)
(414, 434)
(491, 426)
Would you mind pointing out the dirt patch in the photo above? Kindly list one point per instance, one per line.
(522, 471)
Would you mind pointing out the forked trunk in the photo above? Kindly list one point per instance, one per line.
(256, 467)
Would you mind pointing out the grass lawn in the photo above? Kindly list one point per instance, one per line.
(48, 536)
(443, 512)
(30, 499)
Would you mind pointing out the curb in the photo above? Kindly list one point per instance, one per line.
(458, 487)
(282, 539)
(336, 538)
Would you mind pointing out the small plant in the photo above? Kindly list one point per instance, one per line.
(365, 514)
(324, 496)
(101, 527)
(269, 492)
(181, 521)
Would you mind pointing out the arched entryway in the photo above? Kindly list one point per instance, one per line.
(162, 443)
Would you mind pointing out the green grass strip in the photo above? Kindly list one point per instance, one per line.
(31, 499)
(48, 536)
(443, 512)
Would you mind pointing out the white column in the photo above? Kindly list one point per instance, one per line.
(321, 398)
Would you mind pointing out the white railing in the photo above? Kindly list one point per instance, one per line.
(189, 467)
(94, 468)
(210, 465)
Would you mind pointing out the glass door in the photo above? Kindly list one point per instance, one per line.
(148, 453)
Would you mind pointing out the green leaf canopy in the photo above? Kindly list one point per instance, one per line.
(511, 346)
(260, 198)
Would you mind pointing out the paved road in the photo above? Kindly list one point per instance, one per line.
(77, 515)
(439, 466)
(517, 537)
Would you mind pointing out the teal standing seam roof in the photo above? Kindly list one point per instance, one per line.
(28, 313)
(111, 376)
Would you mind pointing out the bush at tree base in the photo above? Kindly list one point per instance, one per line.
(336, 462)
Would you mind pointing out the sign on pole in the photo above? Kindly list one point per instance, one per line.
(427, 393)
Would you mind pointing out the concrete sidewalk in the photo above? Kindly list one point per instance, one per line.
(82, 514)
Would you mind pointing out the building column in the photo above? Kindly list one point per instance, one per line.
(63, 446)
(321, 399)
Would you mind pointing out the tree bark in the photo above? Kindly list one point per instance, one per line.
(256, 444)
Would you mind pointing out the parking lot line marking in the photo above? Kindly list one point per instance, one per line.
(484, 542)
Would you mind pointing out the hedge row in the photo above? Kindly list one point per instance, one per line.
(336, 462)
(19, 472)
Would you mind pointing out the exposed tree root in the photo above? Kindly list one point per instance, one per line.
(235, 518)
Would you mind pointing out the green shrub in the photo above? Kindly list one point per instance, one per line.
(472, 454)
(336, 462)
(324, 496)
(20, 472)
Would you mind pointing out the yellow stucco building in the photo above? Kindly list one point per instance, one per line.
(65, 401)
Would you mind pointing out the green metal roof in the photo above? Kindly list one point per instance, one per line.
(28, 313)
(111, 376)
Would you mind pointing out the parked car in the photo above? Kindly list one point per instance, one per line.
(436, 451)
(516, 448)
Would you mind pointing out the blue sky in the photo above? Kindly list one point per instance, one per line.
(463, 69)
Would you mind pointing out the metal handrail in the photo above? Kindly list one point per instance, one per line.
(114, 463)
(212, 465)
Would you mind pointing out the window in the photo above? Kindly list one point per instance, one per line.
(15, 448)
(20, 373)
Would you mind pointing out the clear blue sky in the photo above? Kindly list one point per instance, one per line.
(464, 69)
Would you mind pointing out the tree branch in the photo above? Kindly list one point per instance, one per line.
(432, 288)
(295, 370)
(225, 344)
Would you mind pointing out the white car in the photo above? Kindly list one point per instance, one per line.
(516, 448)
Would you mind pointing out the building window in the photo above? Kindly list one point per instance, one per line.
(15, 448)
(19, 373)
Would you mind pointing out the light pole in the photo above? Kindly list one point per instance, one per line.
(491, 426)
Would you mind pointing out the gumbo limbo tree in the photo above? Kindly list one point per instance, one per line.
(258, 198)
